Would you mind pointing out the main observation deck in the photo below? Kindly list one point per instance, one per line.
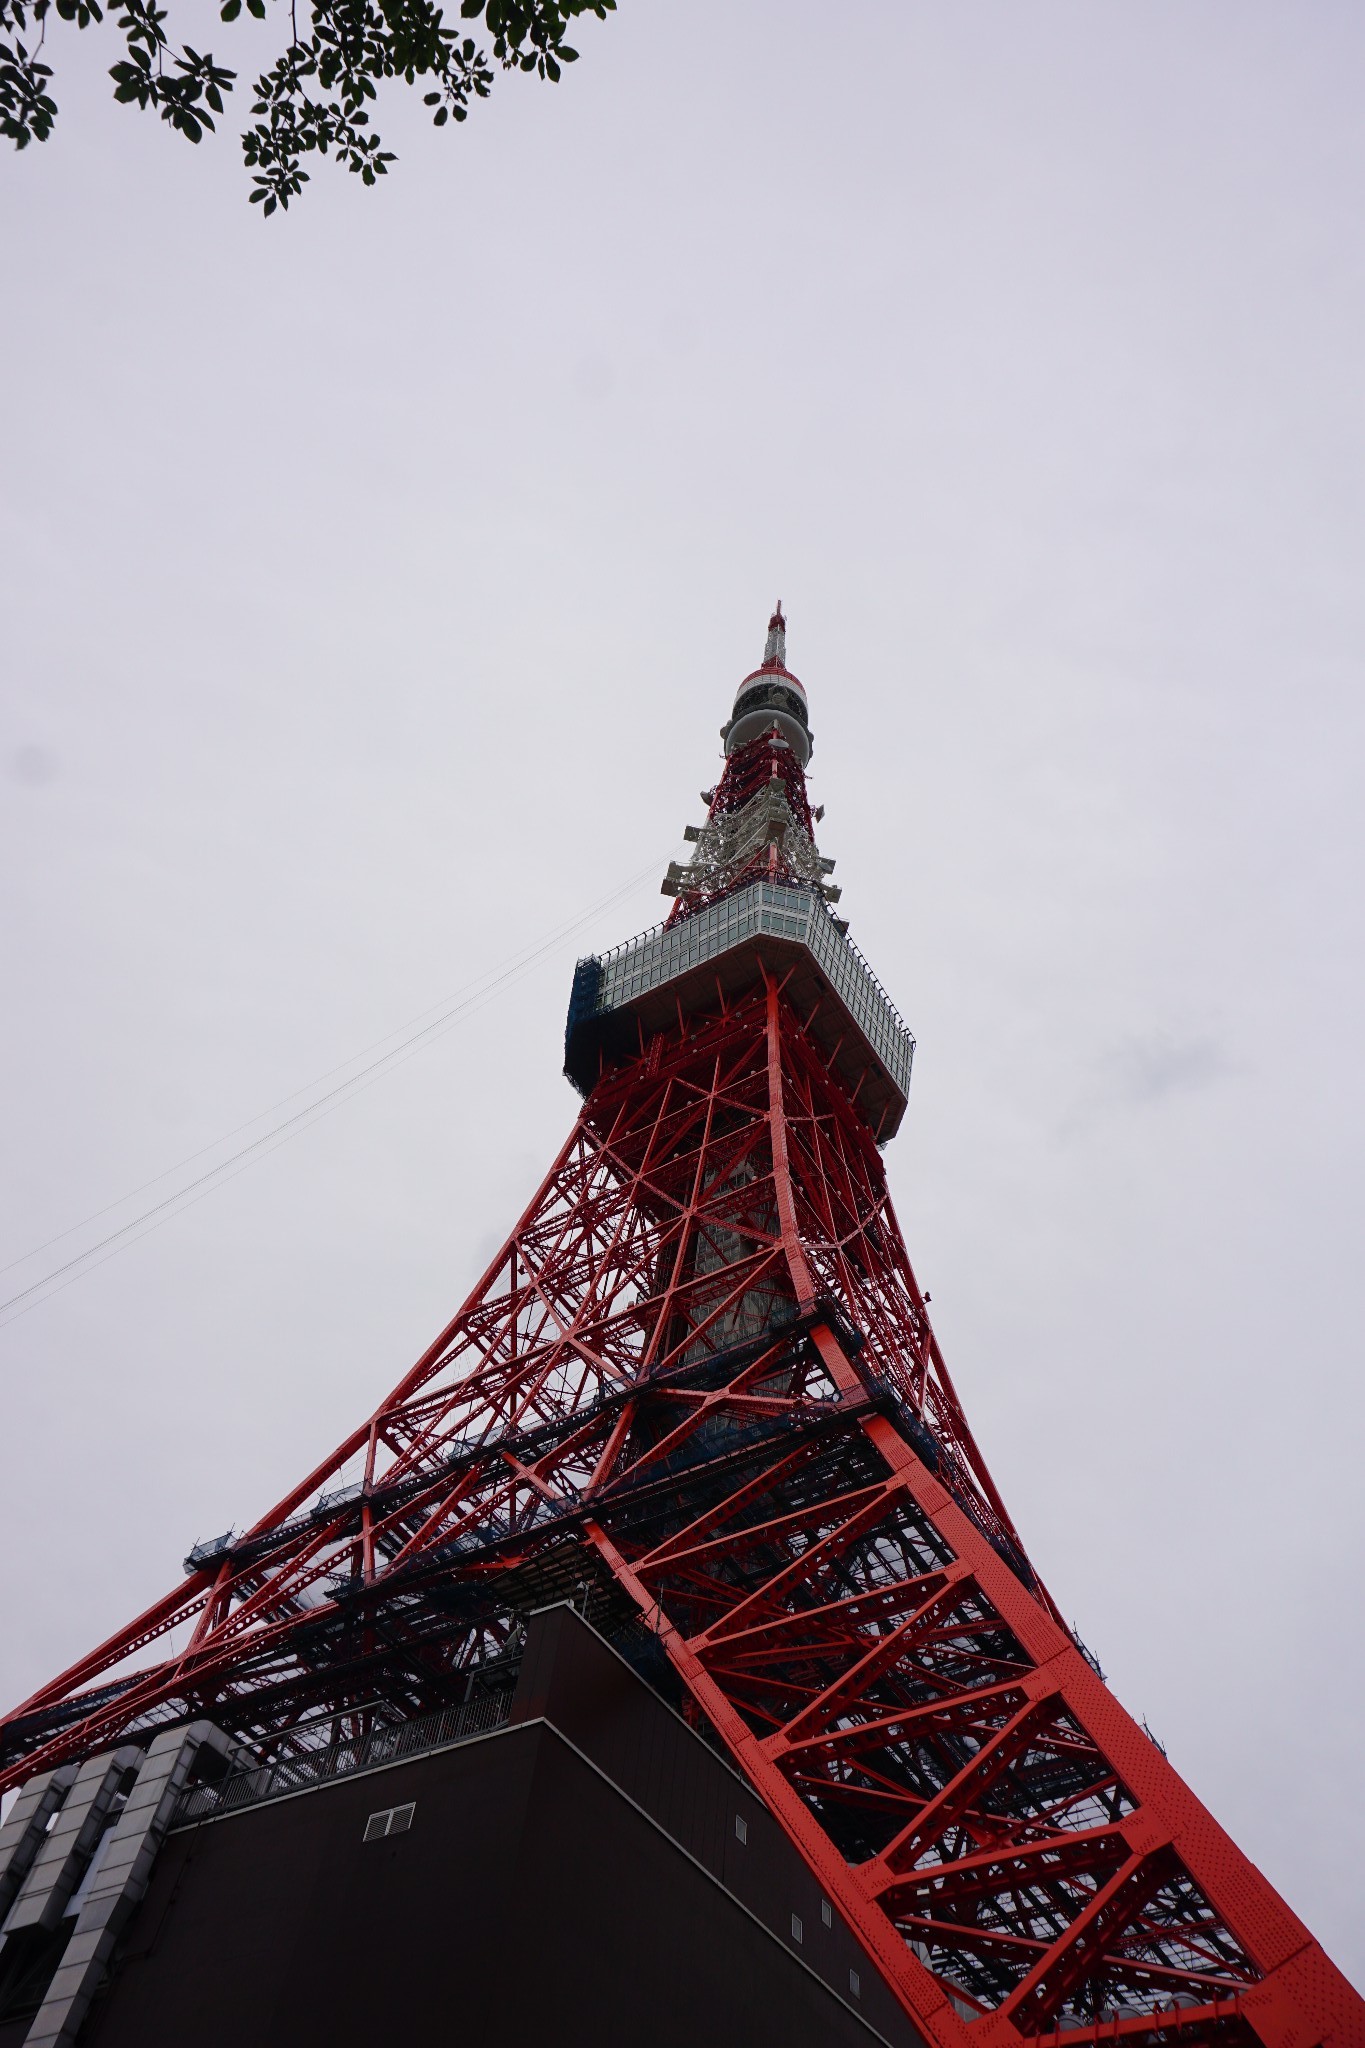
(647, 983)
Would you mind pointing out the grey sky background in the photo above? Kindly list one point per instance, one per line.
(373, 586)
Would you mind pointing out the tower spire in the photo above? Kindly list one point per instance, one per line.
(760, 820)
(775, 653)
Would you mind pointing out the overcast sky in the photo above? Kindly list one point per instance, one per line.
(374, 582)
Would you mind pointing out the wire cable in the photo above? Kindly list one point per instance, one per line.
(452, 1010)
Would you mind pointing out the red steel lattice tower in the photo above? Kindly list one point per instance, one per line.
(698, 1392)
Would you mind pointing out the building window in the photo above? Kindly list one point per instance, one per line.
(797, 1932)
(827, 1912)
(741, 1828)
(855, 1984)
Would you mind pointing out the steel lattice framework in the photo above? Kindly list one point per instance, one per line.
(699, 1390)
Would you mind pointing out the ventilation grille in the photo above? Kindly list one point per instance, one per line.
(390, 1820)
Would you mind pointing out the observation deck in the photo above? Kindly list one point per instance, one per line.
(677, 970)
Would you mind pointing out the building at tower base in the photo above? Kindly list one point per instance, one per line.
(570, 1862)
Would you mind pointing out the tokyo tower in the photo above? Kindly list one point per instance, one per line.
(696, 1410)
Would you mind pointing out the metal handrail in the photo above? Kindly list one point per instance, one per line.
(779, 909)
(390, 1744)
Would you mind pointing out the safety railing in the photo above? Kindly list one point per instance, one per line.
(335, 1758)
(668, 951)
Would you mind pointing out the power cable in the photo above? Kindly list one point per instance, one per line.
(452, 1010)
(317, 1081)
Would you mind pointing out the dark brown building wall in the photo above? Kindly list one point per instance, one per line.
(541, 1894)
